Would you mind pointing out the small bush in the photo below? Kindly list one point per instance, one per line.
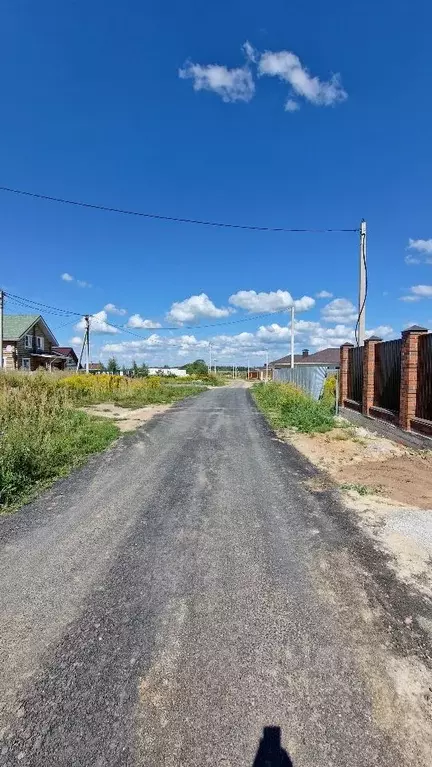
(287, 406)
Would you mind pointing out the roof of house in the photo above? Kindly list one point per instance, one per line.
(96, 366)
(329, 356)
(16, 325)
(65, 351)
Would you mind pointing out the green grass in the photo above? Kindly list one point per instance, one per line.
(164, 394)
(286, 406)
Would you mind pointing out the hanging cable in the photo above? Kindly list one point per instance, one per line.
(161, 217)
(46, 308)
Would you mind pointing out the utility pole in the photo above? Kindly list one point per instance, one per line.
(362, 286)
(1, 329)
(266, 379)
(292, 336)
(87, 322)
(247, 370)
(210, 360)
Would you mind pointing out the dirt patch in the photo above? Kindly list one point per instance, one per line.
(125, 418)
(387, 485)
(355, 457)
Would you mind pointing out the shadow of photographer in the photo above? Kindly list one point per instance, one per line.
(270, 752)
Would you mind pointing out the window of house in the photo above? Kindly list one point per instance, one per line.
(28, 342)
(25, 363)
(40, 342)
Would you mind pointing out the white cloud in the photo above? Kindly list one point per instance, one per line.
(412, 260)
(274, 301)
(424, 291)
(113, 309)
(249, 51)
(323, 294)
(81, 283)
(292, 106)
(98, 324)
(136, 321)
(76, 341)
(421, 246)
(417, 293)
(194, 308)
(339, 310)
(288, 67)
(230, 84)
(381, 331)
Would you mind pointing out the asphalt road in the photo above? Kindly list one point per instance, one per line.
(188, 588)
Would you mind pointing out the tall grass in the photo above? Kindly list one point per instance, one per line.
(285, 405)
(127, 392)
(43, 435)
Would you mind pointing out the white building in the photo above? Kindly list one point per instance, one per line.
(167, 372)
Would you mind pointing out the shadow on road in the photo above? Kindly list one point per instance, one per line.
(270, 752)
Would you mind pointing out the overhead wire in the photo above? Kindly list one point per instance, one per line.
(47, 308)
(163, 217)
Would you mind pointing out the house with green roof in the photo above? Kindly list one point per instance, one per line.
(29, 344)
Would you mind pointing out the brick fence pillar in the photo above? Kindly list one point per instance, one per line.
(343, 373)
(369, 373)
(409, 370)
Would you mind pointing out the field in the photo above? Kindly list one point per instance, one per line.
(42, 433)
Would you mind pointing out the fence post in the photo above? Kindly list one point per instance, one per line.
(409, 373)
(369, 373)
(343, 376)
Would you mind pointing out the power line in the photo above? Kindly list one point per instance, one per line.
(48, 309)
(162, 217)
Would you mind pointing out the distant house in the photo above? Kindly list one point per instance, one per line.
(71, 360)
(96, 368)
(28, 344)
(325, 358)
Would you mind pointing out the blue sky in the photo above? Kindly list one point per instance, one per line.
(160, 107)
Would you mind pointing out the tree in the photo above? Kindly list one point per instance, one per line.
(143, 370)
(112, 365)
(199, 367)
(135, 369)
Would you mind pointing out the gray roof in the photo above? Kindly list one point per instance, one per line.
(329, 356)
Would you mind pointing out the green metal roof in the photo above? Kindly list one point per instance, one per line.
(15, 325)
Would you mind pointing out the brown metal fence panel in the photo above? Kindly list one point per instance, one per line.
(424, 379)
(355, 373)
(388, 375)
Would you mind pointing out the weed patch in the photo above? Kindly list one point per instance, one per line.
(286, 406)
